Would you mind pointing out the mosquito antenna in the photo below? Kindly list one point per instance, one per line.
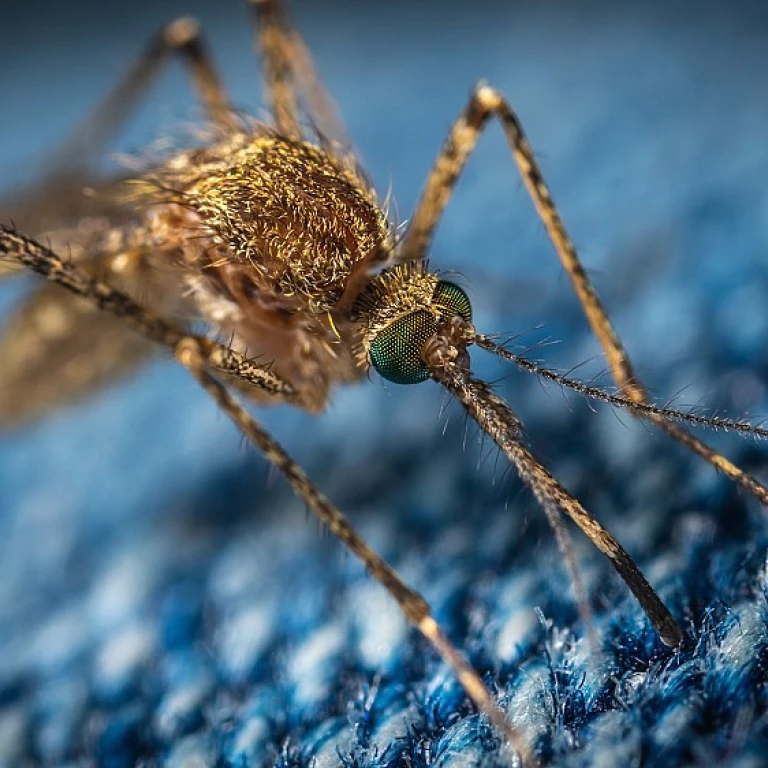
(640, 408)
(446, 356)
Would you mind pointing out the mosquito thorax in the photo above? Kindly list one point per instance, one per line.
(302, 217)
(399, 312)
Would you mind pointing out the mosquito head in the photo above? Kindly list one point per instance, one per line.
(400, 313)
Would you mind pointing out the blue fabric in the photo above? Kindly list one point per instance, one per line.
(164, 601)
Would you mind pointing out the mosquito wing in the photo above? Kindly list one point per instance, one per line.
(68, 210)
(56, 348)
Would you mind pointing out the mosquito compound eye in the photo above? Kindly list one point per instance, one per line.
(451, 301)
(396, 350)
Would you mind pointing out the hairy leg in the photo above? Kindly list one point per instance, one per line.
(45, 262)
(411, 603)
(290, 75)
(180, 38)
(56, 347)
(198, 354)
(444, 353)
(484, 104)
(70, 191)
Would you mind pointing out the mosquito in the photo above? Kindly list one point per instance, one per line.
(272, 235)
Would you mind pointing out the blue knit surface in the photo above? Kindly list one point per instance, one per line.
(166, 600)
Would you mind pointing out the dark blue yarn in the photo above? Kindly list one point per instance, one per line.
(163, 602)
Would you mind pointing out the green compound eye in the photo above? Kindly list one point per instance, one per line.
(451, 300)
(396, 351)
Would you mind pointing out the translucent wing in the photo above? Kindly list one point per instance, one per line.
(71, 211)
(57, 348)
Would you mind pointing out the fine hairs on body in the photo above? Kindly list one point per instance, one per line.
(270, 233)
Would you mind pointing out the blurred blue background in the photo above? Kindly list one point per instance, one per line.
(161, 596)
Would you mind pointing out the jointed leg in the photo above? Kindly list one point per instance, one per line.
(498, 421)
(272, 43)
(411, 603)
(290, 74)
(56, 347)
(197, 355)
(181, 37)
(565, 545)
(46, 263)
(58, 198)
(484, 104)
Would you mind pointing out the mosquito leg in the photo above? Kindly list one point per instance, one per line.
(319, 103)
(57, 347)
(272, 43)
(182, 38)
(197, 354)
(412, 604)
(485, 103)
(46, 263)
(565, 545)
(545, 487)
(500, 423)
(291, 75)
(68, 191)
